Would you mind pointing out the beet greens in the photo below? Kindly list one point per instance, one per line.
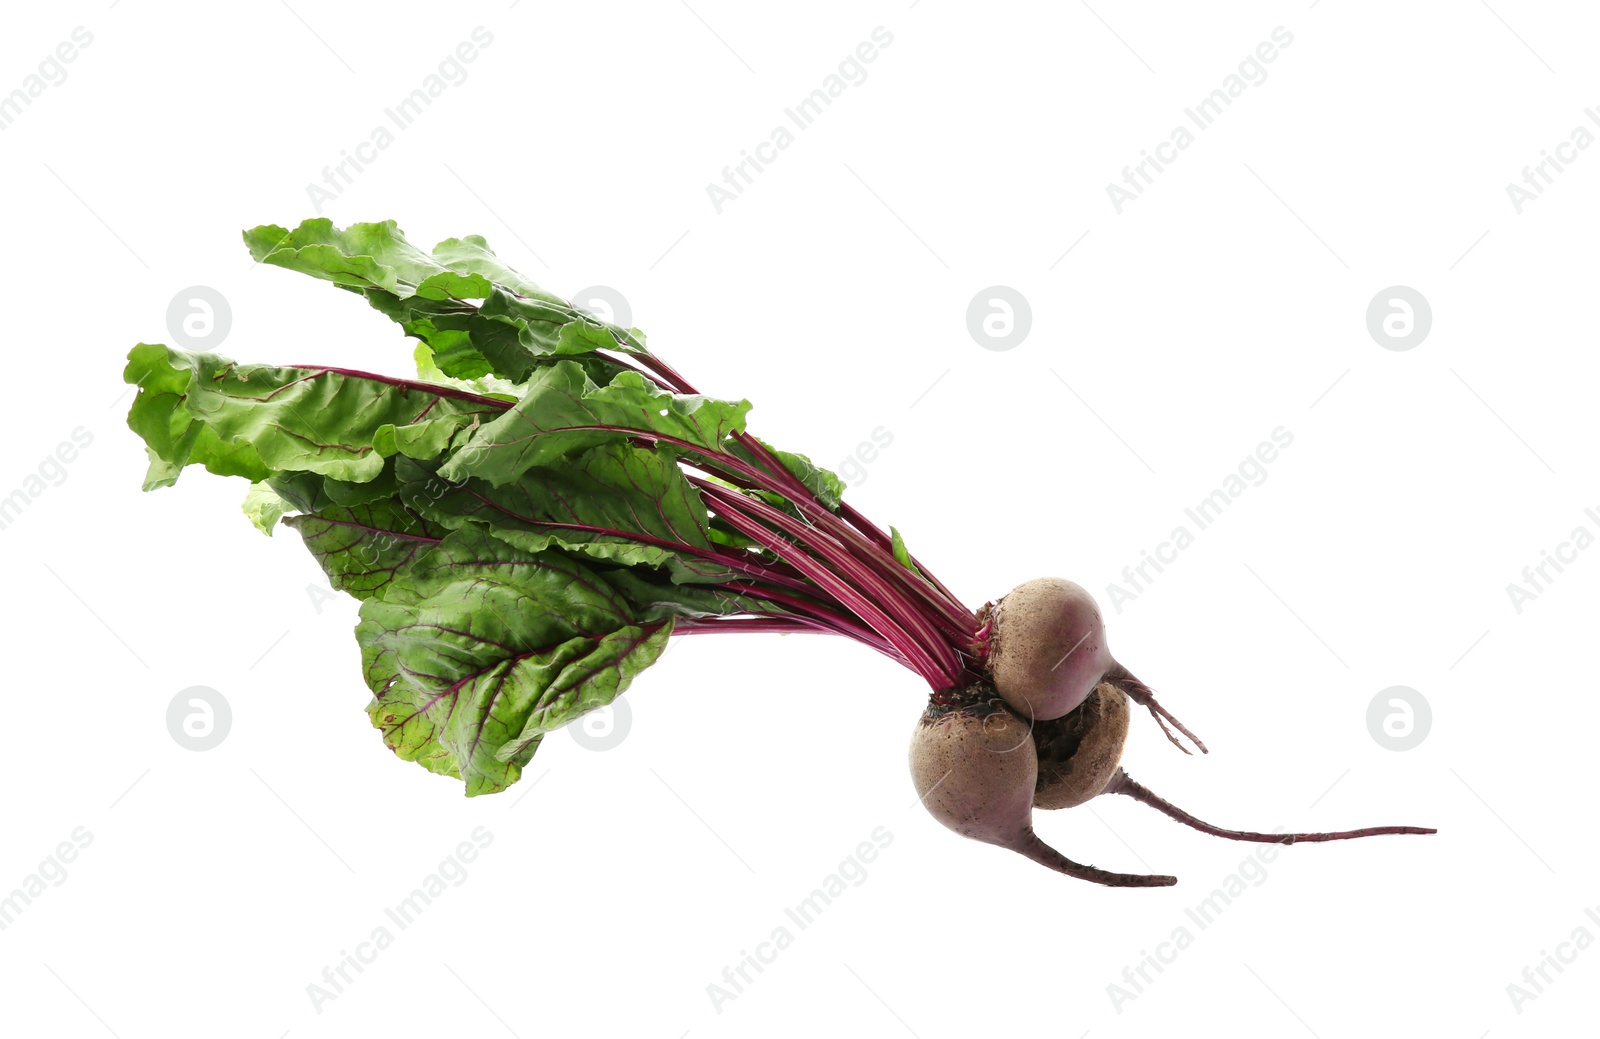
(529, 520)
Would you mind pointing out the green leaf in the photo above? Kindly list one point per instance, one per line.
(162, 416)
(601, 502)
(260, 420)
(310, 492)
(362, 256)
(506, 335)
(264, 508)
(516, 328)
(901, 553)
(478, 649)
(823, 483)
(471, 255)
(503, 336)
(582, 331)
(563, 413)
(655, 598)
(364, 547)
(488, 384)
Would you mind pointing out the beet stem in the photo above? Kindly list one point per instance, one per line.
(945, 607)
(741, 512)
(1122, 783)
(842, 575)
(1030, 845)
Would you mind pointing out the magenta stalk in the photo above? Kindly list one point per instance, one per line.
(851, 584)
(862, 605)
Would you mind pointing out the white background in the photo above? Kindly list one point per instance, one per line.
(1228, 300)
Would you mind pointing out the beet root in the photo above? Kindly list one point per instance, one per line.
(975, 767)
(1122, 783)
(1080, 751)
(1140, 694)
(1048, 648)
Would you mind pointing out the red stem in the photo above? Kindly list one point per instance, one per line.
(956, 619)
(884, 541)
(854, 527)
(777, 623)
(934, 645)
(780, 472)
(917, 658)
(842, 623)
(780, 624)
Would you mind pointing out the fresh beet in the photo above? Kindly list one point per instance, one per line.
(1080, 751)
(974, 764)
(1048, 648)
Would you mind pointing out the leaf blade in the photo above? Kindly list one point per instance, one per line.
(563, 412)
(262, 420)
(478, 649)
